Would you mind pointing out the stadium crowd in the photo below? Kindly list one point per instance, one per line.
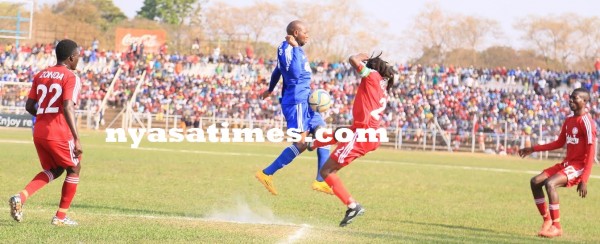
(462, 99)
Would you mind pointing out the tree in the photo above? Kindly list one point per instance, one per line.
(552, 36)
(587, 41)
(432, 30)
(223, 23)
(109, 12)
(177, 15)
(263, 16)
(101, 13)
(470, 32)
(149, 10)
(174, 12)
(11, 9)
(337, 28)
(462, 57)
(499, 56)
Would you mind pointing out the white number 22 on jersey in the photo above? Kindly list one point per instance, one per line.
(375, 113)
(49, 109)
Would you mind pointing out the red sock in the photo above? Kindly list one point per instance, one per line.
(555, 214)
(39, 181)
(338, 188)
(68, 192)
(317, 143)
(541, 205)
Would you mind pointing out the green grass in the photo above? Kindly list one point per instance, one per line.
(185, 192)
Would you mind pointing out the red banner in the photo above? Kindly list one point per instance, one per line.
(152, 39)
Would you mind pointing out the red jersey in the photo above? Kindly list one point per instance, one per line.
(50, 88)
(579, 133)
(370, 100)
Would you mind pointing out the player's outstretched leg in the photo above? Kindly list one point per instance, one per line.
(68, 193)
(16, 208)
(17, 202)
(315, 144)
(328, 172)
(266, 180)
(351, 213)
(354, 208)
(537, 184)
(265, 176)
(319, 184)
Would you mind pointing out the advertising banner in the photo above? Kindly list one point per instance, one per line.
(152, 39)
(16, 120)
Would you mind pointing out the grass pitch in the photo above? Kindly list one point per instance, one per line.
(205, 192)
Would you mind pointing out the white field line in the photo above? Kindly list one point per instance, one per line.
(530, 172)
(297, 235)
(167, 217)
(361, 160)
(16, 141)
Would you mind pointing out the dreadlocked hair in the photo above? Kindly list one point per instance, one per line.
(386, 71)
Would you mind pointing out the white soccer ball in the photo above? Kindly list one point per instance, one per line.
(320, 101)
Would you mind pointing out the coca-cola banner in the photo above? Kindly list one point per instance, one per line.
(152, 39)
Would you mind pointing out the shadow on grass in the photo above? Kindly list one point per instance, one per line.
(112, 210)
(451, 226)
(474, 235)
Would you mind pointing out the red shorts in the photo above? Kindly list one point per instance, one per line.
(346, 152)
(573, 171)
(56, 154)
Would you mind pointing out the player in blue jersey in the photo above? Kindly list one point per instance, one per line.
(293, 66)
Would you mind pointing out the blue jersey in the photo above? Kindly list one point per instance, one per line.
(293, 65)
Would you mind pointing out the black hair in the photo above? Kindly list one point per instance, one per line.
(386, 71)
(64, 49)
(586, 93)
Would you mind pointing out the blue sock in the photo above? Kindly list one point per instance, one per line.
(284, 159)
(322, 155)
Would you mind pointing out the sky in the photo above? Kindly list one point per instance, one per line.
(400, 14)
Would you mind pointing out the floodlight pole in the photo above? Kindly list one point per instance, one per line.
(18, 28)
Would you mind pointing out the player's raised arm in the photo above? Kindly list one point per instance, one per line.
(559, 143)
(357, 60)
(275, 76)
(291, 40)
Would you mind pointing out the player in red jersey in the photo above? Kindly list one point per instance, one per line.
(377, 77)
(55, 89)
(579, 133)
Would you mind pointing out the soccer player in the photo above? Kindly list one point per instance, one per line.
(293, 65)
(55, 89)
(579, 133)
(377, 77)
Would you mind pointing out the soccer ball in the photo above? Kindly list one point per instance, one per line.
(320, 101)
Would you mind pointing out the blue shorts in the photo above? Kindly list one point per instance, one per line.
(301, 116)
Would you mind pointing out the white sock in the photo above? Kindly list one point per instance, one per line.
(352, 205)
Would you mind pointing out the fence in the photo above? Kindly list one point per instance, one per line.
(431, 139)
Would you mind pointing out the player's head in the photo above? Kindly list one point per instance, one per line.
(299, 30)
(381, 66)
(67, 52)
(578, 99)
